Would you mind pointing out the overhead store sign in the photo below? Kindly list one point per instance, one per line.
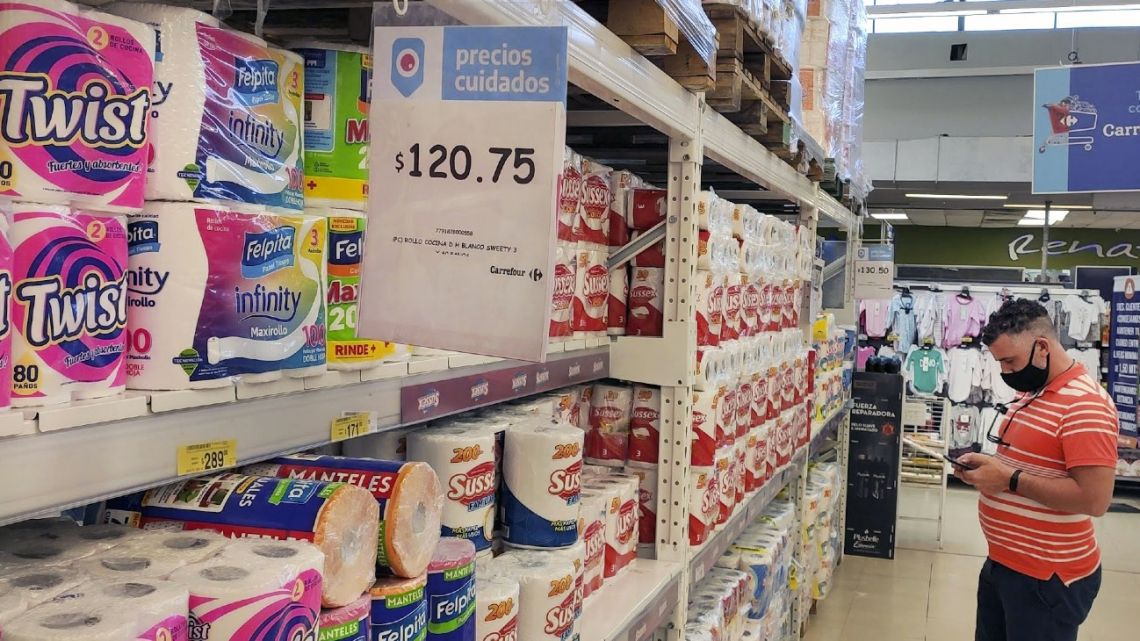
(1086, 128)
(874, 272)
(470, 127)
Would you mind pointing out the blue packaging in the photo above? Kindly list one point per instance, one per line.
(399, 610)
(451, 591)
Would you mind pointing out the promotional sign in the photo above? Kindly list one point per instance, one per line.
(470, 127)
(874, 272)
(1086, 128)
(1124, 355)
(873, 468)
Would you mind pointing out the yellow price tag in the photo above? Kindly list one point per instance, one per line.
(205, 457)
(350, 426)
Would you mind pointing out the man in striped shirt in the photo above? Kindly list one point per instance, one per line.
(1054, 469)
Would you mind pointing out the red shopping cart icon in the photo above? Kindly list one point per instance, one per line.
(1067, 117)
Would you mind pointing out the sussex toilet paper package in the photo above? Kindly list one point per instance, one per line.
(607, 440)
(407, 494)
(647, 503)
(232, 602)
(222, 294)
(338, 91)
(78, 105)
(645, 426)
(565, 283)
(69, 304)
(576, 554)
(155, 610)
(646, 296)
(349, 623)
(463, 456)
(399, 609)
(542, 476)
(617, 306)
(704, 503)
(621, 519)
(341, 520)
(546, 594)
(451, 591)
(496, 608)
(227, 112)
(594, 506)
(591, 292)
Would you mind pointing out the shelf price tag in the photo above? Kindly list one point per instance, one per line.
(350, 426)
(875, 272)
(206, 457)
(469, 165)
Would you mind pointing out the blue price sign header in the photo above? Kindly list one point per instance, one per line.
(1086, 128)
(471, 63)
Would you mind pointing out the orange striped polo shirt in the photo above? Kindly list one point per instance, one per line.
(1072, 423)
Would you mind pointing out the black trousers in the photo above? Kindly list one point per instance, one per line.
(1016, 607)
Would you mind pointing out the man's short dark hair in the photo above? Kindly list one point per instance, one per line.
(1017, 316)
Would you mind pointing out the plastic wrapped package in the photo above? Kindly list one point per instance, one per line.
(149, 609)
(694, 25)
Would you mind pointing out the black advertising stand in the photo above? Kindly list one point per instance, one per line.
(873, 465)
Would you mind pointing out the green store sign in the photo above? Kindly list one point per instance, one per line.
(1015, 247)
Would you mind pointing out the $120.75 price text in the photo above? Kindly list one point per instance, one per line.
(458, 163)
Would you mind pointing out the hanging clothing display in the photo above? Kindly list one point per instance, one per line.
(903, 320)
(925, 369)
(963, 316)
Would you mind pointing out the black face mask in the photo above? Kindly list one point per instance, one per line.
(1029, 378)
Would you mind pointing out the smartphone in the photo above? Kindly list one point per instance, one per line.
(956, 463)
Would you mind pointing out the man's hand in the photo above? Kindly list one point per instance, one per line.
(989, 475)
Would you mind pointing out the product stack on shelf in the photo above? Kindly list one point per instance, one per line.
(822, 532)
(831, 383)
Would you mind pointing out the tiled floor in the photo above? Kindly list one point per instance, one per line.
(929, 595)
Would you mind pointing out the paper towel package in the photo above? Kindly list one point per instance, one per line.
(341, 520)
(592, 226)
(594, 506)
(349, 623)
(647, 503)
(575, 554)
(569, 195)
(565, 282)
(617, 306)
(6, 264)
(69, 304)
(704, 504)
(408, 496)
(542, 476)
(607, 440)
(591, 292)
(646, 296)
(621, 519)
(451, 591)
(338, 91)
(645, 426)
(399, 609)
(220, 294)
(78, 105)
(546, 594)
(464, 459)
(496, 608)
(227, 112)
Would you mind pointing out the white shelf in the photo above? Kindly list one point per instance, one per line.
(52, 470)
(631, 606)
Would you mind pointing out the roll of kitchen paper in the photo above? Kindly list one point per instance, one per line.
(344, 256)
(292, 560)
(157, 610)
(463, 456)
(83, 620)
(231, 602)
(593, 527)
(646, 302)
(390, 445)
(576, 554)
(127, 562)
(219, 293)
(621, 520)
(565, 284)
(338, 91)
(451, 591)
(399, 610)
(184, 547)
(28, 587)
(341, 520)
(542, 476)
(546, 594)
(709, 369)
(227, 112)
(496, 608)
(408, 495)
(102, 67)
(349, 623)
(65, 260)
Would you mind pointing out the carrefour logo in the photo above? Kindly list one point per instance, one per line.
(407, 65)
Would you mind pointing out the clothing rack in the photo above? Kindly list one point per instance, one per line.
(1022, 290)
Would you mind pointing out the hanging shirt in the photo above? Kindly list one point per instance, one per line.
(966, 370)
(861, 356)
(1080, 316)
(928, 308)
(874, 315)
(962, 317)
(992, 381)
(925, 369)
(1090, 358)
(990, 417)
(903, 320)
(964, 420)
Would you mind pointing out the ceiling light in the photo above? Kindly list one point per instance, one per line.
(1025, 206)
(1055, 215)
(889, 216)
(957, 196)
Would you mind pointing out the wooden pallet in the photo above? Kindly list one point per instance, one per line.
(740, 39)
(646, 27)
(791, 144)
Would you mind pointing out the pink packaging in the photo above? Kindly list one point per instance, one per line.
(730, 330)
(706, 413)
(709, 306)
(646, 295)
(726, 485)
(607, 440)
(749, 306)
(593, 223)
(5, 327)
(617, 306)
(569, 195)
(645, 425)
(62, 260)
(565, 281)
(591, 293)
(704, 503)
(102, 67)
(646, 208)
(647, 500)
(353, 621)
(652, 257)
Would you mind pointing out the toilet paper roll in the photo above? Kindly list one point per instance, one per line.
(349, 623)
(647, 503)
(546, 594)
(740, 469)
(497, 608)
(743, 408)
(23, 553)
(341, 520)
(607, 440)
(182, 547)
(621, 182)
(646, 296)
(399, 610)
(464, 459)
(617, 307)
(565, 282)
(227, 112)
(229, 601)
(591, 292)
(621, 520)
(726, 424)
(70, 621)
(292, 560)
(706, 416)
(53, 528)
(389, 445)
(542, 477)
(569, 195)
(98, 158)
(645, 426)
(103, 537)
(338, 93)
(451, 591)
(704, 503)
(709, 370)
(219, 294)
(65, 260)
(595, 503)
(156, 610)
(575, 554)
(127, 562)
(28, 587)
(408, 495)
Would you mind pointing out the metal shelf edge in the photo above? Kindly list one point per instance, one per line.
(633, 605)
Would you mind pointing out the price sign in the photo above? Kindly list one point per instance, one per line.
(350, 426)
(464, 178)
(206, 457)
(875, 272)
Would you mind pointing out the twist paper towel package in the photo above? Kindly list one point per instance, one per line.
(617, 306)
(292, 558)
(496, 608)
(220, 293)
(546, 594)
(69, 304)
(230, 602)
(156, 610)
(227, 112)
(463, 456)
(389, 445)
(399, 609)
(6, 264)
(645, 426)
(607, 440)
(408, 494)
(542, 477)
(565, 282)
(349, 623)
(594, 506)
(341, 520)
(451, 591)
(591, 292)
(78, 105)
(338, 91)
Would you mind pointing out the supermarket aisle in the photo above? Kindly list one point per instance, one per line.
(927, 595)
